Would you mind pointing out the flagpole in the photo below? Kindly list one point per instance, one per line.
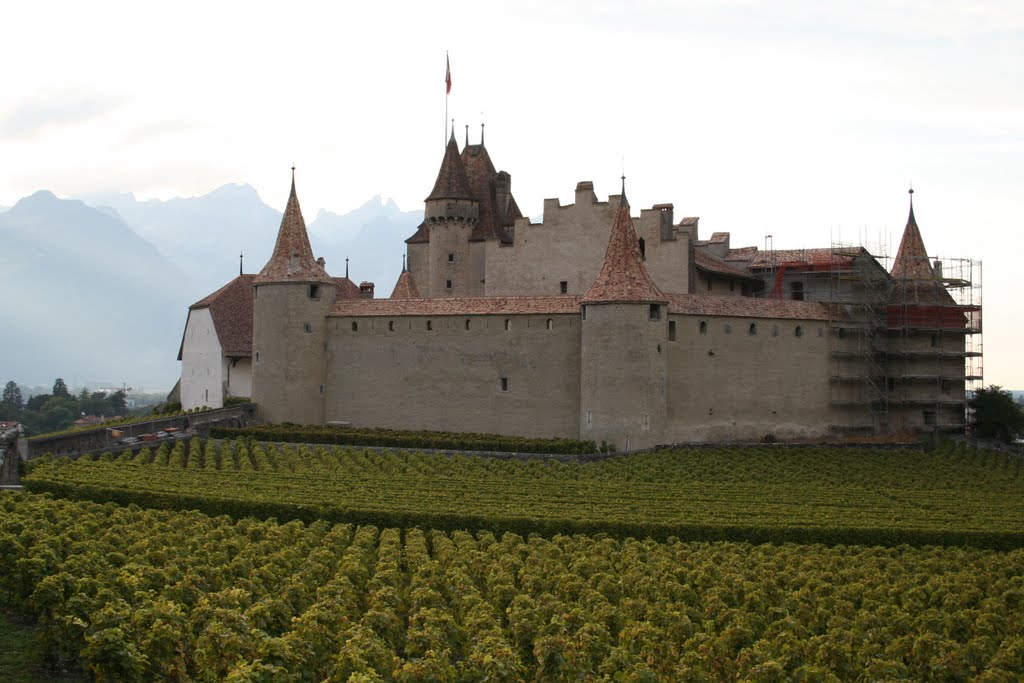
(447, 90)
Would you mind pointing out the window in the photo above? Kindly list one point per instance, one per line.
(935, 341)
(307, 328)
(257, 357)
(504, 383)
(752, 330)
(508, 324)
(654, 312)
(796, 291)
(929, 417)
(551, 323)
(314, 291)
(563, 286)
(775, 330)
(584, 312)
(842, 333)
(451, 257)
(430, 324)
(590, 419)
(643, 248)
(467, 323)
(391, 326)
(798, 331)
(703, 326)
(447, 284)
(355, 326)
(671, 330)
(728, 328)
(321, 388)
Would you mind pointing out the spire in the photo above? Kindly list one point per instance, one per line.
(239, 263)
(623, 201)
(451, 182)
(403, 263)
(292, 260)
(405, 288)
(623, 277)
(911, 262)
(482, 134)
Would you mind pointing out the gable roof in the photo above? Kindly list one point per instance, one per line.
(292, 260)
(709, 263)
(231, 309)
(623, 277)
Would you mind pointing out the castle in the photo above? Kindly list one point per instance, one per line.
(593, 324)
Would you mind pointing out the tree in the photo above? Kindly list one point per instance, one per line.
(61, 389)
(997, 415)
(12, 395)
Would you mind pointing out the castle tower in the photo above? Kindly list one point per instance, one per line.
(926, 341)
(624, 355)
(292, 296)
(450, 215)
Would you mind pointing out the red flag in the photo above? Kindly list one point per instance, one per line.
(447, 76)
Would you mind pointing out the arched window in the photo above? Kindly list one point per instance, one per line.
(752, 330)
(355, 326)
(551, 323)
(703, 326)
(508, 324)
(798, 332)
(467, 323)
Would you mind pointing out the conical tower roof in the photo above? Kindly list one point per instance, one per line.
(912, 261)
(405, 288)
(452, 182)
(623, 277)
(915, 282)
(292, 260)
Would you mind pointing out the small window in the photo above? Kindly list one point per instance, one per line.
(256, 293)
(703, 326)
(321, 388)
(796, 291)
(842, 333)
(447, 284)
(314, 291)
(306, 327)
(451, 257)
(654, 312)
(504, 383)
(891, 384)
(643, 248)
(752, 330)
(508, 324)
(355, 326)
(563, 286)
(590, 419)
(391, 326)
(430, 324)
(935, 341)
(929, 417)
(467, 323)
(551, 323)
(798, 331)
(728, 328)
(584, 312)
(671, 330)
(775, 330)
(257, 356)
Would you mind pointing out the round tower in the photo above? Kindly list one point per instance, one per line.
(291, 299)
(450, 214)
(624, 355)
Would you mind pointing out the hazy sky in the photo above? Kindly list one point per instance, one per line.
(803, 120)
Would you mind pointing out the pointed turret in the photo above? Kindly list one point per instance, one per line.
(912, 261)
(405, 288)
(623, 277)
(292, 260)
(451, 182)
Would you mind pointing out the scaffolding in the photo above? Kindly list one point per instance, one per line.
(935, 353)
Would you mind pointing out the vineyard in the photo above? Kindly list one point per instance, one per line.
(952, 496)
(140, 594)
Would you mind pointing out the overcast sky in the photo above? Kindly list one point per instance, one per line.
(803, 120)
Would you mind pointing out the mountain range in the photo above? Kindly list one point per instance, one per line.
(97, 287)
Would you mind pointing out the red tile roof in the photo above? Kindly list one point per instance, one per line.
(746, 307)
(689, 220)
(452, 182)
(231, 309)
(405, 288)
(346, 288)
(491, 305)
(481, 174)
(818, 256)
(292, 260)
(914, 279)
(421, 236)
(623, 277)
(710, 263)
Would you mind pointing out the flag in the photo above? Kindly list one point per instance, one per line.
(447, 76)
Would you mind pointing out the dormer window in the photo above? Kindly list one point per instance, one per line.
(294, 263)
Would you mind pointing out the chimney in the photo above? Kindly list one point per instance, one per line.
(937, 269)
(365, 290)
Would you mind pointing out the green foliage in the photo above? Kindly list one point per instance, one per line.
(395, 438)
(997, 415)
(950, 496)
(12, 395)
(136, 594)
(60, 390)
